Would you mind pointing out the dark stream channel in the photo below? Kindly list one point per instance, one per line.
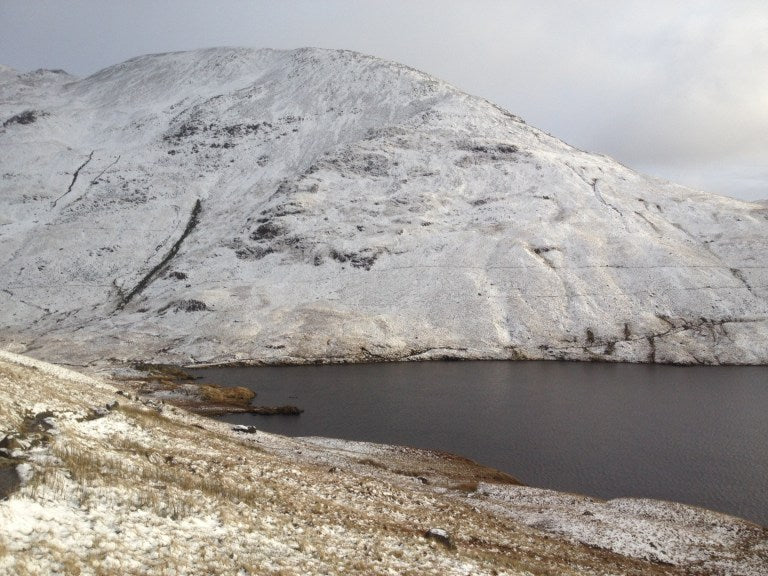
(697, 435)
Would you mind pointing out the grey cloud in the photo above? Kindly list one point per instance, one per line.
(659, 85)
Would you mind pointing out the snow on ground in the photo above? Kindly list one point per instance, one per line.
(318, 205)
(133, 488)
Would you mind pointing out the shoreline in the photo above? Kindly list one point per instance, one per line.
(137, 472)
(114, 365)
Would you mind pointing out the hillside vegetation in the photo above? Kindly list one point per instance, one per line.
(111, 485)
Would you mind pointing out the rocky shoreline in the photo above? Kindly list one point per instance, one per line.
(105, 477)
(174, 386)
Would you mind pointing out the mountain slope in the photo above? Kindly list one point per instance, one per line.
(314, 205)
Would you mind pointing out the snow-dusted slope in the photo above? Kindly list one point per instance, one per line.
(106, 484)
(309, 205)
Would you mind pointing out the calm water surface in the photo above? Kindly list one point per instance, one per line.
(691, 434)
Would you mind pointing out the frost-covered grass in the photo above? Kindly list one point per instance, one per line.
(152, 489)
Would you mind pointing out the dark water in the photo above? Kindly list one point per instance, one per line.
(9, 480)
(691, 434)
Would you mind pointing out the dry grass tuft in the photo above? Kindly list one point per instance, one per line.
(236, 396)
(151, 476)
(372, 463)
(163, 372)
(145, 417)
(468, 487)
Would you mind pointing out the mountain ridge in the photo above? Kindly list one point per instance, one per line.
(323, 205)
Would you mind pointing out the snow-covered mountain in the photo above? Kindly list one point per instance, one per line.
(315, 205)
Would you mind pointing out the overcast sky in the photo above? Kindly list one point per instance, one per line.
(677, 89)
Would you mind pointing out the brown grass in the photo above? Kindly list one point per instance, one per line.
(152, 474)
(146, 417)
(164, 372)
(465, 487)
(373, 463)
(236, 396)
